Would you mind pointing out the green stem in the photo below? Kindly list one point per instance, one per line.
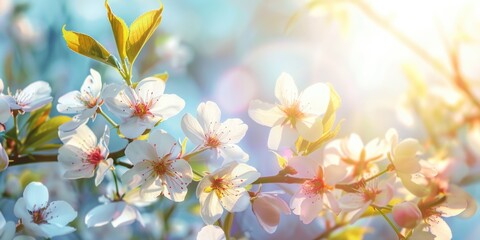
(115, 179)
(197, 173)
(279, 179)
(227, 227)
(400, 236)
(378, 174)
(15, 127)
(109, 120)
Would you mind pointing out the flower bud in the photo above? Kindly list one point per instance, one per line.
(267, 208)
(407, 214)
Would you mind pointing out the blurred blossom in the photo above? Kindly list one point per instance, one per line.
(235, 89)
(5, 7)
(24, 31)
(211, 232)
(170, 49)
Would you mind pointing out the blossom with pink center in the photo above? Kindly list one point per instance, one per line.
(143, 107)
(81, 155)
(31, 98)
(316, 193)
(374, 193)
(225, 188)
(83, 103)
(267, 208)
(296, 114)
(211, 232)
(206, 131)
(158, 167)
(40, 217)
(357, 156)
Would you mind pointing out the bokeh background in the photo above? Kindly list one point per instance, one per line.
(232, 52)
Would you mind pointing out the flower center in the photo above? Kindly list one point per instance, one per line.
(212, 142)
(160, 167)
(293, 114)
(316, 186)
(140, 109)
(370, 194)
(95, 156)
(39, 216)
(219, 185)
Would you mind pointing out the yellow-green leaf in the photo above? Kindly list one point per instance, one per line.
(282, 162)
(163, 76)
(120, 32)
(45, 133)
(87, 46)
(140, 31)
(38, 117)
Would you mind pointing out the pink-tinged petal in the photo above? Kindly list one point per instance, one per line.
(306, 167)
(286, 90)
(267, 210)
(352, 201)
(407, 214)
(134, 127)
(126, 217)
(311, 207)
(2, 86)
(352, 146)
(315, 99)
(334, 174)
(232, 152)
(310, 128)
(167, 106)
(383, 198)
(61, 213)
(5, 112)
(237, 200)
(102, 170)
(103, 214)
(282, 136)
(52, 230)
(422, 233)
(211, 209)
(150, 87)
(208, 115)
(440, 229)
(234, 130)
(70, 103)
(405, 156)
(138, 150)
(192, 129)
(211, 232)
(243, 174)
(332, 202)
(82, 138)
(415, 184)
(35, 196)
(453, 205)
(163, 143)
(92, 84)
(296, 202)
(178, 181)
(266, 114)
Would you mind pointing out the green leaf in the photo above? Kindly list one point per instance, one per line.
(120, 32)
(89, 47)
(45, 133)
(140, 31)
(38, 117)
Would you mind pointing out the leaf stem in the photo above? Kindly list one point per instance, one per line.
(115, 179)
(400, 236)
(378, 174)
(109, 120)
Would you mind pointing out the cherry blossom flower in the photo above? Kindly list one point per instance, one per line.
(267, 208)
(374, 193)
(316, 193)
(5, 112)
(359, 157)
(40, 217)
(7, 229)
(157, 166)
(407, 214)
(83, 103)
(295, 115)
(211, 232)
(82, 156)
(143, 107)
(4, 160)
(208, 132)
(225, 188)
(33, 97)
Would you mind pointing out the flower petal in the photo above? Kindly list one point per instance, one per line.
(192, 129)
(35, 196)
(211, 232)
(163, 143)
(150, 87)
(233, 152)
(281, 136)
(208, 115)
(61, 213)
(286, 90)
(103, 214)
(167, 106)
(211, 209)
(266, 114)
(138, 150)
(237, 201)
(315, 99)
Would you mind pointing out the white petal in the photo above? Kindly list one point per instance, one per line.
(4, 111)
(334, 174)
(177, 184)
(138, 150)
(92, 84)
(127, 216)
(211, 209)
(20, 209)
(192, 129)
(35, 196)
(167, 106)
(310, 129)
(233, 152)
(237, 201)
(211, 232)
(208, 115)
(103, 214)
(9, 232)
(83, 171)
(440, 229)
(234, 129)
(61, 213)
(82, 138)
(71, 103)
(4, 161)
(286, 90)
(351, 201)
(134, 127)
(102, 170)
(310, 208)
(282, 136)
(454, 205)
(150, 87)
(164, 143)
(314, 99)
(243, 174)
(405, 159)
(76, 122)
(266, 114)
(53, 230)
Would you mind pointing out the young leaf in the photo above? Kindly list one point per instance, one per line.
(38, 117)
(89, 47)
(140, 31)
(45, 133)
(163, 76)
(120, 32)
